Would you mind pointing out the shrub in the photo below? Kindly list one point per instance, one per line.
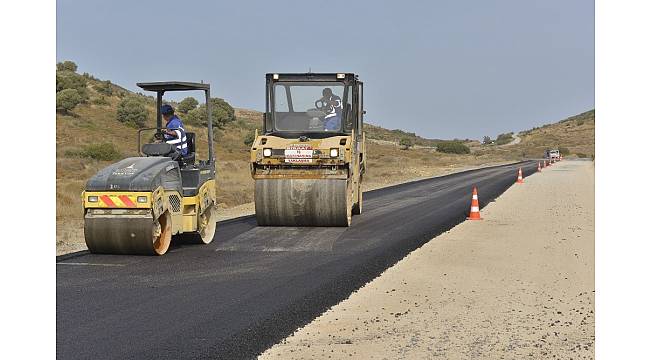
(104, 87)
(69, 80)
(405, 143)
(222, 114)
(187, 104)
(67, 99)
(453, 147)
(104, 151)
(66, 66)
(581, 155)
(132, 112)
(100, 101)
(580, 122)
(503, 139)
(563, 150)
(249, 139)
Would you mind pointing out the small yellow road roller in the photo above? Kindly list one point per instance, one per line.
(135, 205)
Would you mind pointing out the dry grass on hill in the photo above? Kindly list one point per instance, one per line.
(576, 133)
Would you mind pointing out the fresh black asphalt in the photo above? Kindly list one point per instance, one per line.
(252, 286)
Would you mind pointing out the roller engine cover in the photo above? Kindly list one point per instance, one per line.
(138, 174)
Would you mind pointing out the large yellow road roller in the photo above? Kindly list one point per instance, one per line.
(135, 205)
(309, 161)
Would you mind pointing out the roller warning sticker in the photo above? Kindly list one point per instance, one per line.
(298, 153)
(120, 201)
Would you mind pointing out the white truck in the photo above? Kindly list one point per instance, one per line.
(553, 154)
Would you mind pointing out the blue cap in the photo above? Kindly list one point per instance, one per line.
(166, 109)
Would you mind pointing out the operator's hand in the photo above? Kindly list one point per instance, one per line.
(171, 133)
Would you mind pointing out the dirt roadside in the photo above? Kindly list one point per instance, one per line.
(519, 284)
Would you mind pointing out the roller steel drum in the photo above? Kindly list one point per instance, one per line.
(127, 233)
(302, 202)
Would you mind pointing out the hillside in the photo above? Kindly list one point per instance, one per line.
(576, 135)
(394, 136)
(93, 125)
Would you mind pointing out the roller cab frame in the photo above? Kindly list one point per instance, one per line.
(135, 205)
(308, 169)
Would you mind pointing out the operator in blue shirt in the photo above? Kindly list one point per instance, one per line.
(174, 130)
(333, 109)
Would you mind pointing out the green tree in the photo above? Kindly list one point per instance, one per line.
(66, 66)
(405, 143)
(132, 111)
(222, 114)
(67, 99)
(187, 104)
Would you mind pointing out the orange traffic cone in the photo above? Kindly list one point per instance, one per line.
(539, 166)
(474, 213)
(520, 177)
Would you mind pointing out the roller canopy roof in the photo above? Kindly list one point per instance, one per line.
(172, 86)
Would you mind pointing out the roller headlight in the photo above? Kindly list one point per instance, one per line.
(142, 199)
(334, 152)
(93, 199)
(266, 152)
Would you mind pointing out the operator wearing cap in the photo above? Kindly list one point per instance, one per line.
(334, 108)
(174, 130)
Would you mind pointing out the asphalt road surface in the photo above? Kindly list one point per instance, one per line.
(252, 286)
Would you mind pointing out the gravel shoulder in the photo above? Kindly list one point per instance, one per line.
(519, 284)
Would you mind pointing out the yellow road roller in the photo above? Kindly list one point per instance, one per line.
(135, 205)
(309, 161)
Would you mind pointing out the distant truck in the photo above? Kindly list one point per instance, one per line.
(552, 154)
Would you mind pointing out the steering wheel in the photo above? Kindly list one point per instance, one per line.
(159, 135)
(320, 104)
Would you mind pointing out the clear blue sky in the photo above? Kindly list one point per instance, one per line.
(443, 69)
